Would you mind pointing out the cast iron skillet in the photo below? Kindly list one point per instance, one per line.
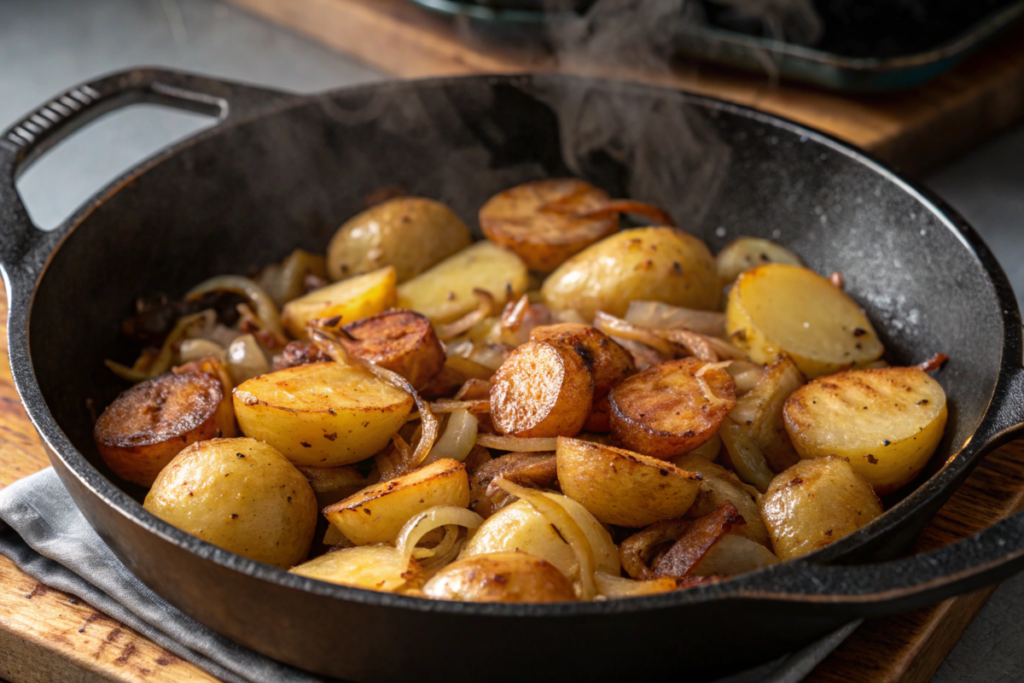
(282, 171)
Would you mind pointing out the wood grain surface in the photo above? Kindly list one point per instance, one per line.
(915, 131)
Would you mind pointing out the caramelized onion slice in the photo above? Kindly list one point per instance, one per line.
(263, 305)
(423, 523)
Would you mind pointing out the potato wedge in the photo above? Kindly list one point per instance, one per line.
(886, 422)
(780, 308)
(402, 341)
(538, 220)
(746, 253)
(814, 503)
(445, 292)
(759, 412)
(331, 484)
(321, 414)
(150, 423)
(353, 299)
(721, 485)
(374, 567)
(520, 527)
(734, 555)
(240, 495)
(608, 362)
(650, 264)
(501, 577)
(623, 488)
(376, 514)
(667, 410)
(541, 390)
(410, 234)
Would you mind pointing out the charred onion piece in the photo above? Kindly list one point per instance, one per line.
(536, 470)
(637, 551)
(706, 531)
(933, 363)
(297, 353)
(401, 341)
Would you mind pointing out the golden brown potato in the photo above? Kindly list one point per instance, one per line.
(402, 341)
(376, 514)
(149, 424)
(352, 299)
(746, 253)
(410, 234)
(608, 362)
(759, 412)
(541, 390)
(814, 503)
(650, 264)
(520, 527)
(374, 567)
(501, 577)
(241, 495)
(667, 410)
(780, 308)
(623, 488)
(600, 418)
(886, 422)
(322, 414)
(539, 221)
(720, 486)
(445, 292)
(331, 484)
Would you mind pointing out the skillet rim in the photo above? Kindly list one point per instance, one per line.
(989, 427)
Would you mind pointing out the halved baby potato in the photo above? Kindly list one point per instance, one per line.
(501, 577)
(445, 292)
(150, 423)
(671, 408)
(402, 341)
(321, 414)
(540, 221)
(886, 422)
(353, 299)
(376, 514)
(541, 390)
(241, 495)
(623, 488)
(746, 253)
(814, 503)
(787, 309)
(374, 567)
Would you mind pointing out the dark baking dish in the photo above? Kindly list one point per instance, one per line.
(283, 171)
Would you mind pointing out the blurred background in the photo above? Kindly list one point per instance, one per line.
(934, 87)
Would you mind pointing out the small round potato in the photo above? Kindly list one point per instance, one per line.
(409, 233)
(649, 264)
(501, 577)
(239, 494)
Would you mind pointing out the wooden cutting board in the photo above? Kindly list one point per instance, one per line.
(47, 636)
(914, 131)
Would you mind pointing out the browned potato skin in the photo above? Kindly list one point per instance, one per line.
(541, 390)
(149, 424)
(662, 412)
(402, 341)
(501, 577)
(814, 503)
(608, 362)
(536, 470)
(623, 488)
(600, 418)
(544, 239)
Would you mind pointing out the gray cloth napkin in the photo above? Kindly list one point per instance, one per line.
(43, 532)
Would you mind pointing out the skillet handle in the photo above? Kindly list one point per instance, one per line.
(883, 588)
(32, 136)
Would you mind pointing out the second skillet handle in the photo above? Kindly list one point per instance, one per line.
(26, 140)
(919, 580)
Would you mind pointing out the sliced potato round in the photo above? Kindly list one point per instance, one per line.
(780, 308)
(814, 503)
(541, 390)
(667, 410)
(650, 264)
(539, 221)
(241, 495)
(886, 422)
(520, 527)
(402, 341)
(374, 567)
(376, 514)
(746, 253)
(352, 299)
(623, 488)
(149, 424)
(501, 577)
(321, 414)
(608, 362)
(410, 234)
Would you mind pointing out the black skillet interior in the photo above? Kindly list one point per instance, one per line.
(248, 193)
